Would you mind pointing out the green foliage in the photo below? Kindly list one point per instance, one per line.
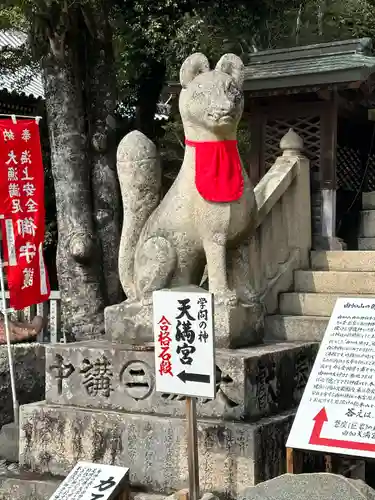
(349, 18)
(168, 30)
(11, 17)
(314, 21)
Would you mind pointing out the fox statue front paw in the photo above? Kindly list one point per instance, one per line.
(246, 295)
(146, 301)
(225, 297)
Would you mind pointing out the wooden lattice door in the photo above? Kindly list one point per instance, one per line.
(349, 168)
(307, 121)
(308, 127)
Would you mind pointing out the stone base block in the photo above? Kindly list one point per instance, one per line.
(238, 325)
(29, 360)
(251, 383)
(25, 489)
(129, 323)
(9, 441)
(235, 325)
(31, 486)
(232, 456)
(311, 487)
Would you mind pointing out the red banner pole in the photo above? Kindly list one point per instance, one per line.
(9, 347)
(22, 209)
(22, 203)
(37, 118)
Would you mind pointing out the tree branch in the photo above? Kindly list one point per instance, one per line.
(299, 22)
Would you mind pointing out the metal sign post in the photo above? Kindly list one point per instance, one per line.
(193, 464)
(185, 357)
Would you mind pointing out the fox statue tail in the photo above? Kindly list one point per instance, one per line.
(139, 172)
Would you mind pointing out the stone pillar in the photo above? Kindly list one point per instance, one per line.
(327, 239)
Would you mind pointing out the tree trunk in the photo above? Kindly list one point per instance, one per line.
(101, 102)
(321, 7)
(78, 265)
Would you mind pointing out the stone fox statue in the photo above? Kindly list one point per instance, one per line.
(210, 208)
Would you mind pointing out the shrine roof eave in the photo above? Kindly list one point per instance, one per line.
(299, 83)
(25, 81)
(321, 79)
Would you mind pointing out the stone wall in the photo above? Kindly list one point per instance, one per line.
(30, 377)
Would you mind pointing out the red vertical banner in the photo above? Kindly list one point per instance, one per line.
(22, 208)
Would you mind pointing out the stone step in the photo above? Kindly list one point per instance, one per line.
(310, 304)
(346, 282)
(367, 224)
(343, 260)
(38, 488)
(131, 387)
(292, 328)
(366, 243)
(233, 455)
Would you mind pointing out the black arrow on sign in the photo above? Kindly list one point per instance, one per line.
(193, 377)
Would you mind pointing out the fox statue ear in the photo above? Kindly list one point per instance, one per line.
(192, 66)
(233, 66)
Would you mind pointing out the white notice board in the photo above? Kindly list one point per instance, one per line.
(337, 410)
(184, 342)
(88, 481)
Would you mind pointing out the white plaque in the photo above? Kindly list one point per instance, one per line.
(11, 246)
(42, 269)
(337, 410)
(184, 342)
(88, 481)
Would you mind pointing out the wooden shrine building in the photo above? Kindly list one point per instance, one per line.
(325, 92)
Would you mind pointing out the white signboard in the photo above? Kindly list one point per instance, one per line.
(184, 342)
(337, 410)
(88, 481)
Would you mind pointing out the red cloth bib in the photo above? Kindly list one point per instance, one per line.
(218, 171)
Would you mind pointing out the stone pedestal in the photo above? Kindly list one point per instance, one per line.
(101, 406)
(129, 323)
(232, 455)
(235, 325)
(251, 383)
